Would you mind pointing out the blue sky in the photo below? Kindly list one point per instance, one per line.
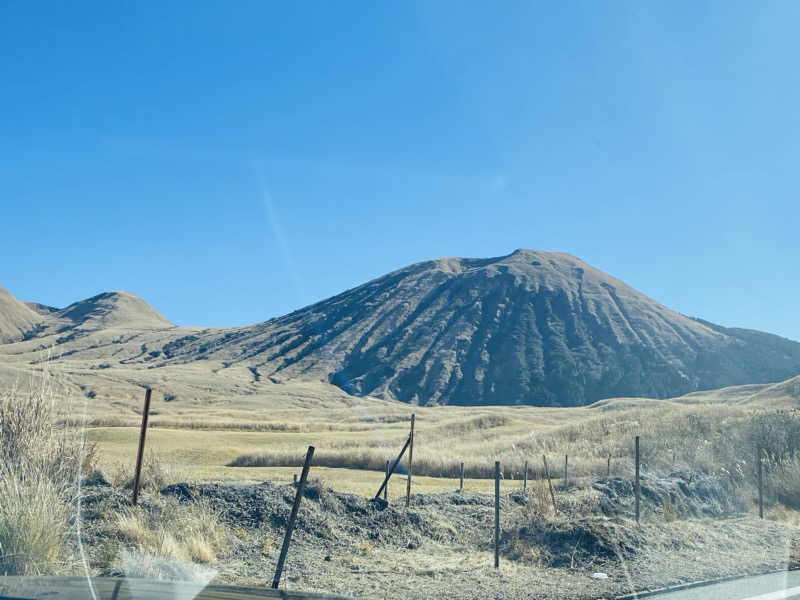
(231, 162)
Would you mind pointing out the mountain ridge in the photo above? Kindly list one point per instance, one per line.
(529, 327)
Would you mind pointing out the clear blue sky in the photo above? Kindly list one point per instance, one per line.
(231, 162)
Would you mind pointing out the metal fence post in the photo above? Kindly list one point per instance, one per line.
(759, 454)
(497, 514)
(636, 485)
(292, 518)
(410, 461)
(140, 452)
(525, 478)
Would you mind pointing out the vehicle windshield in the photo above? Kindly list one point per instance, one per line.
(399, 300)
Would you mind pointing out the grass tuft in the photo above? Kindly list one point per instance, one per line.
(175, 532)
(40, 465)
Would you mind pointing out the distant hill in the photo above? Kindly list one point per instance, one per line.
(113, 309)
(527, 328)
(16, 318)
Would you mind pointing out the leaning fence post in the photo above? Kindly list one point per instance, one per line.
(760, 483)
(496, 514)
(386, 487)
(549, 482)
(393, 467)
(636, 486)
(410, 460)
(461, 478)
(525, 478)
(140, 453)
(292, 518)
(566, 472)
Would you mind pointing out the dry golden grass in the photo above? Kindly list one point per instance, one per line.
(353, 444)
(40, 468)
(180, 532)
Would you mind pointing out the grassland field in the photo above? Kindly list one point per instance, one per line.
(353, 442)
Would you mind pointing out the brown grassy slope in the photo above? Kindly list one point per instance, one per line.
(355, 436)
(16, 319)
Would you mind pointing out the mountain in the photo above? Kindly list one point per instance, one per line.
(113, 309)
(528, 328)
(16, 318)
(531, 327)
(31, 322)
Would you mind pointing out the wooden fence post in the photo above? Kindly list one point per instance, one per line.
(496, 514)
(525, 478)
(636, 486)
(410, 461)
(760, 483)
(549, 482)
(140, 453)
(292, 518)
(461, 478)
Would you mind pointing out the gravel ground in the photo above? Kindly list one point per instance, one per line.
(692, 528)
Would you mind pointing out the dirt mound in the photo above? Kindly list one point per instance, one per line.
(681, 494)
(574, 543)
(325, 514)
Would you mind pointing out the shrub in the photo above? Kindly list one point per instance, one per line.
(785, 484)
(33, 523)
(40, 464)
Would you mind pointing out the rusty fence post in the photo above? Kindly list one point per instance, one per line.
(391, 470)
(292, 518)
(549, 482)
(636, 485)
(410, 461)
(140, 453)
(525, 478)
(497, 514)
(759, 466)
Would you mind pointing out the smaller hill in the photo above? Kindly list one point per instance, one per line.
(113, 309)
(785, 394)
(16, 319)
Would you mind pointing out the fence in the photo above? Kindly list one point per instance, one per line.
(765, 448)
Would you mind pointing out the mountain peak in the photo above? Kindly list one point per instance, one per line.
(530, 327)
(114, 309)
